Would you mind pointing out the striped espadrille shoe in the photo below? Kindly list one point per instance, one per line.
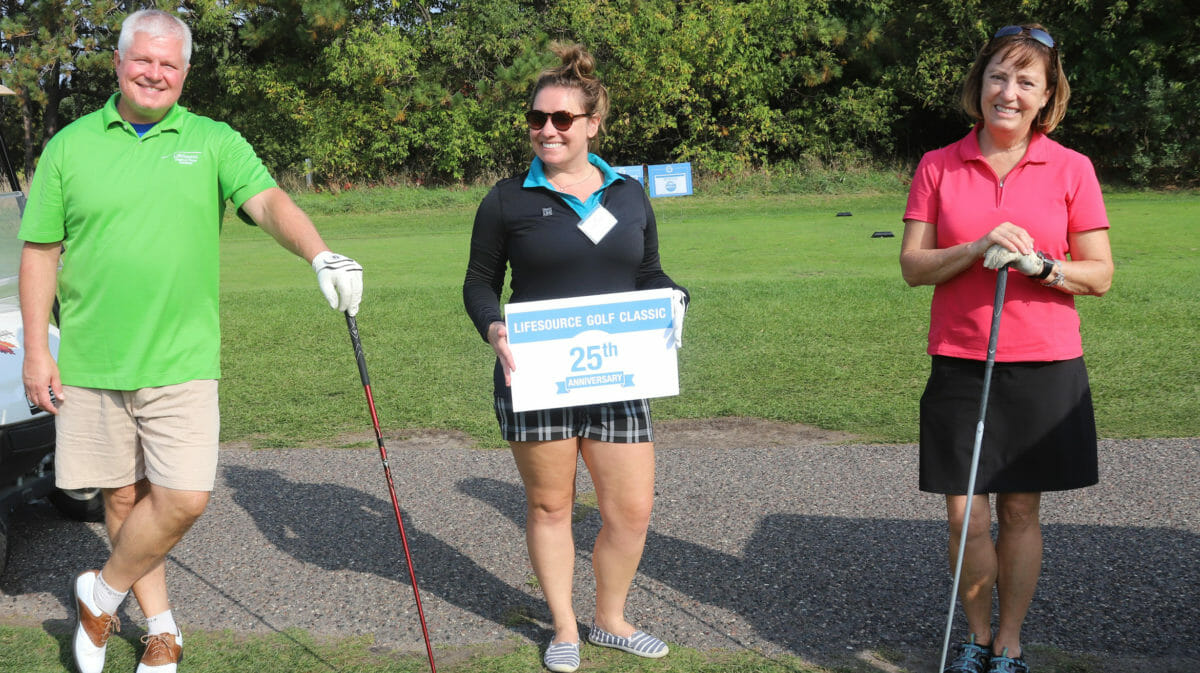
(640, 643)
(562, 657)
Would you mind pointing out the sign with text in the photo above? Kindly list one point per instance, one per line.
(670, 180)
(591, 350)
(635, 172)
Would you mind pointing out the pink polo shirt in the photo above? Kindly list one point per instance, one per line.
(1051, 192)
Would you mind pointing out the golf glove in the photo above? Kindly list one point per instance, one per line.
(674, 331)
(998, 255)
(340, 280)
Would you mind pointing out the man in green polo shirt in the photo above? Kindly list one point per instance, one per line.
(129, 198)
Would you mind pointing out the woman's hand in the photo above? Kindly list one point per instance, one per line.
(1009, 236)
(998, 256)
(923, 263)
(498, 337)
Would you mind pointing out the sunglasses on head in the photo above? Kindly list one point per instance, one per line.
(562, 119)
(1035, 33)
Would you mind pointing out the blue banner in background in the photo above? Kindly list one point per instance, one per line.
(615, 318)
(670, 180)
(636, 172)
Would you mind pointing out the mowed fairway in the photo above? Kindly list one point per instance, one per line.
(799, 316)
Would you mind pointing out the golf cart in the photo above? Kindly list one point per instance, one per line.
(26, 431)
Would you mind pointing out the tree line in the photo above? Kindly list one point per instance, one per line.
(434, 91)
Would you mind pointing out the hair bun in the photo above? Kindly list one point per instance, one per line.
(575, 60)
(577, 70)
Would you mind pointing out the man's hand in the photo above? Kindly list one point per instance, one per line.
(42, 385)
(340, 280)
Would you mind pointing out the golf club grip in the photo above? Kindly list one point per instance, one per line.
(997, 307)
(358, 350)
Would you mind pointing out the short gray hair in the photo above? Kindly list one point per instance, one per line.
(155, 23)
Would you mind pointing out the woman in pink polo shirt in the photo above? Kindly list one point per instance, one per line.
(1006, 193)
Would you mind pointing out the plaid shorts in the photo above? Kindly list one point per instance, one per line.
(617, 422)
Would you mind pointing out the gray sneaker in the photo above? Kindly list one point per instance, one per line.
(971, 658)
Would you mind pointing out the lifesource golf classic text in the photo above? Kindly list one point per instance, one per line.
(590, 320)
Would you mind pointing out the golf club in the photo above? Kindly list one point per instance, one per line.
(387, 471)
(997, 305)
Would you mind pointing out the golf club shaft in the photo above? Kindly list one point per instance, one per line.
(997, 306)
(352, 324)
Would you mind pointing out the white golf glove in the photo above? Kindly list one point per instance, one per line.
(998, 255)
(674, 333)
(340, 280)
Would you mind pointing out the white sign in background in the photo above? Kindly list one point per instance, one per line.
(591, 350)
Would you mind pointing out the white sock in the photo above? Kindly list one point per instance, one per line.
(106, 598)
(163, 622)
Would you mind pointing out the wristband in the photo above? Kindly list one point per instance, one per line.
(1059, 276)
(1047, 267)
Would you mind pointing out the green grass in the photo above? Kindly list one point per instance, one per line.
(798, 316)
(30, 649)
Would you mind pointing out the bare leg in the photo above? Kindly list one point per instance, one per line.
(548, 472)
(624, 479)
(979, 568)
(143, 534)
(151, 590)
(1019, 547)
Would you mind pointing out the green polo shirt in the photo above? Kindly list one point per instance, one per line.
(139, 219)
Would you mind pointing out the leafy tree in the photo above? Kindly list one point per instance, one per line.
(51, 51)
(434, 89)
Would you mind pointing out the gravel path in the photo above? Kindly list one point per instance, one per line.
(759, 540)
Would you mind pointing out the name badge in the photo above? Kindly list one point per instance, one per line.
(597, 225)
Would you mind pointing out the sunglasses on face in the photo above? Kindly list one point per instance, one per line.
(1035, 33)
(562, 119)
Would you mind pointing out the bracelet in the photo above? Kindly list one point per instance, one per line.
(1059, 276)
(1047, 267)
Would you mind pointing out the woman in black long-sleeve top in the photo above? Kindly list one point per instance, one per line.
(531, 223)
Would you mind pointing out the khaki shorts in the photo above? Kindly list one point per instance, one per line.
(114, 438)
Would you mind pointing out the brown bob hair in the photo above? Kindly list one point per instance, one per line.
(577, 71)
(1023, 50)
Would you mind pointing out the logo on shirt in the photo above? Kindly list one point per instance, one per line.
(547, 212)
(183, 158)
(8, 342)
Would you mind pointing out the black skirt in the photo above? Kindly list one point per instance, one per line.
(1039, 431)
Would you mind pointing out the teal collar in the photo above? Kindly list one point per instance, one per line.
(537, 178)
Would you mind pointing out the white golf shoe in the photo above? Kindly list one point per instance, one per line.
(163, 653)
(92, 627)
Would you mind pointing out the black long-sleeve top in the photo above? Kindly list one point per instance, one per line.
(534, 231)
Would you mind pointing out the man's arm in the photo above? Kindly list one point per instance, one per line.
(340, 278)
(279, 216)
(38, 281)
